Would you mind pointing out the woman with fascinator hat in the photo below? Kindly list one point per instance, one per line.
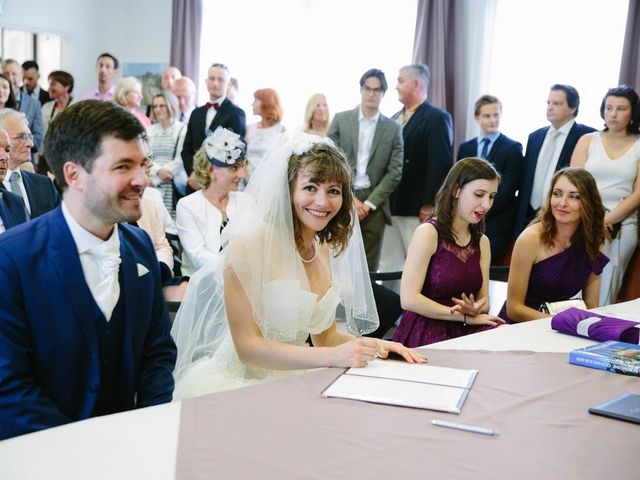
(219, 166)
(290, 260)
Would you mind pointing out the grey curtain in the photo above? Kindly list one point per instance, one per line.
(438, 43)
(630, 66)
(186, 27)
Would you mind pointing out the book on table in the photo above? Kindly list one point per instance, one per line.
(405, 384)
(618, 357)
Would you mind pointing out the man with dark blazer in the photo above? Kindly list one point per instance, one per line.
(12, 211)
(548, 150)
(506, 156)
(83, 326)
(373, 145)
(428, 157)
(30, 79)
(219, 111)
(37, 191)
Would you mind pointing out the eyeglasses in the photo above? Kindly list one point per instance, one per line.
(376, 91)
(23, 137)
(160, 106)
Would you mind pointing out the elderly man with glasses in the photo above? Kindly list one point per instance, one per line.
(37, 191)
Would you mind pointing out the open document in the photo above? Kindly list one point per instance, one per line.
(406, 385)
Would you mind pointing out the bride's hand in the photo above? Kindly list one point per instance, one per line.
(409, 354)
(355, 353)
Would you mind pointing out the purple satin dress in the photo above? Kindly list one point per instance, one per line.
(452, 271)
(559, 277)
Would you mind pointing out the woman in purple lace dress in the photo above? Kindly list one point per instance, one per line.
(445, 283)
(559, 253)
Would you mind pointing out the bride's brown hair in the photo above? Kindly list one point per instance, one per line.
(325, 163)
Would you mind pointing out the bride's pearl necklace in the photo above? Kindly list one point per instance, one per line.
(313, 257)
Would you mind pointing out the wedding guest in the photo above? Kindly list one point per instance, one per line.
(558, 255)
(506, 156)
(219, 168)
(166, 138)
(83, 327)
(107, 69)
(60, 89)
(316, 115)
(613, 158)
(7, 97)
(445, 283)
(291, 259)
(268, 131)
(128, 94)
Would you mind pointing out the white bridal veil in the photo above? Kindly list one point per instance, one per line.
(259, 246)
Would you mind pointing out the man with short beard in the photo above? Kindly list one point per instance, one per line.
(83, 327)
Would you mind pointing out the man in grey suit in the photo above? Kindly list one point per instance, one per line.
(374, 146)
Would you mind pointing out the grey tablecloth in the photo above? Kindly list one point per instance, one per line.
(537, 401)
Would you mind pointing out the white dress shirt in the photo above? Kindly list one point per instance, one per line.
(211, 112)
(366, 130)
(95, 269)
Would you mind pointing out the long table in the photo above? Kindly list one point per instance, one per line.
(286, 430)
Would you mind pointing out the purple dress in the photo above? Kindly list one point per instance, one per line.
(559, 277)
(452, 271)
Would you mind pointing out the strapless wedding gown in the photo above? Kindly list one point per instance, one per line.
(293, 314)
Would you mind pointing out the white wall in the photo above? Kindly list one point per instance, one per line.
(131, 30)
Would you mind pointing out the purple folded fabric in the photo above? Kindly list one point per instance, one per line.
(601, 328)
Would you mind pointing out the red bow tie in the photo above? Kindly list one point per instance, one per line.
(215, 105)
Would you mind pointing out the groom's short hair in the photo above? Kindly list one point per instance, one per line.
(77, 133)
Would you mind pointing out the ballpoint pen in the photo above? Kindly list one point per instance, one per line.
(466, 428)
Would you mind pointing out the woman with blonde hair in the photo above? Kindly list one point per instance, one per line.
(268, 131)
(219, 167)
(316, 115)
(128, 94)
(558, 255)
(166, 138)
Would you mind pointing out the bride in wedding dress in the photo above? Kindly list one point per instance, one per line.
(289, 262)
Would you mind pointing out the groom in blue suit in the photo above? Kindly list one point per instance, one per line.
(83, 328)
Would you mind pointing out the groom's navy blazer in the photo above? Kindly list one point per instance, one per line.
(49, 348)
(534, 145)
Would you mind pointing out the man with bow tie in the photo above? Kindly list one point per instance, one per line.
(83, 327)
(219, 111)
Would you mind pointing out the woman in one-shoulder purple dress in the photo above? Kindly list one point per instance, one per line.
(444, 288)
(558, 255)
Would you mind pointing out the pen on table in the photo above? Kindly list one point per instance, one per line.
(466, 428)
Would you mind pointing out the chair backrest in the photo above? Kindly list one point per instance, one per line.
(387, 302)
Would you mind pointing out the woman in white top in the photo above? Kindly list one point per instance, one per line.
(613, 158)
(165, 141)
(267, 132)
(219, 166)
(60, 88)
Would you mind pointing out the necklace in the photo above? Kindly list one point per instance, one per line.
(313, 257)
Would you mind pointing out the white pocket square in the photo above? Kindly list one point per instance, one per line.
(142, 270)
